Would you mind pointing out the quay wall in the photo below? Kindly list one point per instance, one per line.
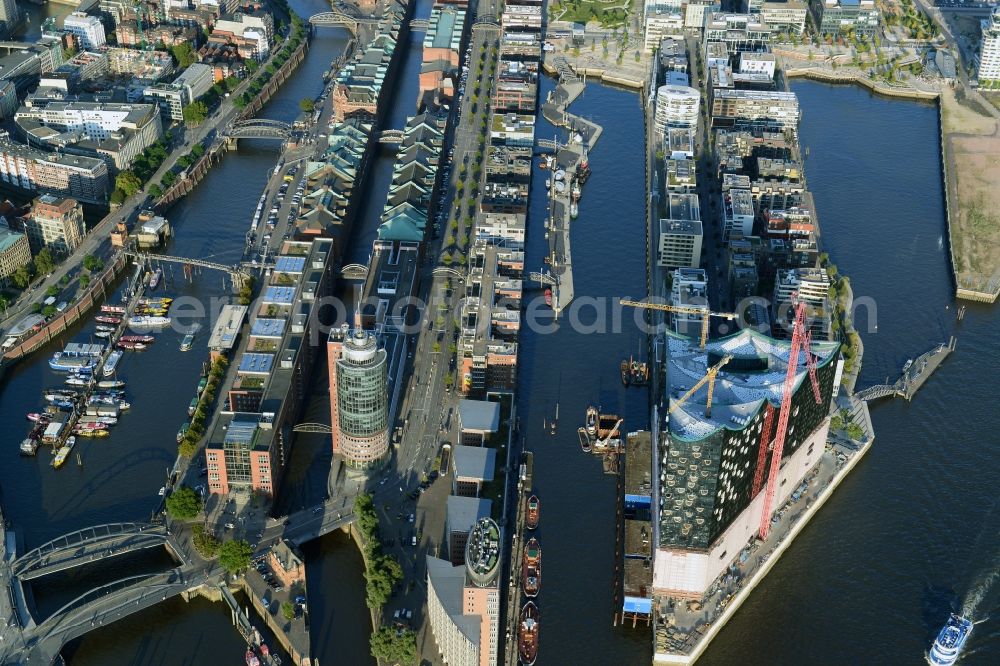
(823, 76)
(744, 593)
(214, 154)
(602, 74)
(96, 293)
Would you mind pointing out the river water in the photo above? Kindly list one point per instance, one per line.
(911, 534)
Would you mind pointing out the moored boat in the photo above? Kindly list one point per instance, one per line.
(145, 339)
(592, 414)
(193, 405)
(110, 384)
(112, 362)
(183, 431)
(64, 452)
(134, 346)
(527, 634)
(626, 371)
(103, 328)
(154, 279)
(531, 568)
(574, 211)
(148, 321)
(950, 641)
(65, 363)
(108, 319)
(113, 309)
(91, 432)
(29, 447)
(102, 335)
(75, 380)
(534, 506)
(202, 383)
(548, 297)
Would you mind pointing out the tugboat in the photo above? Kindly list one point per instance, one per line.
(154, 279)
(188, 340)
(583, 169)
(527, 634)
(548, 297)
(531, 520)
(531, 568)
(949, 643)
(574, 211)
(639, 372)
(592, 414)
(626, 370)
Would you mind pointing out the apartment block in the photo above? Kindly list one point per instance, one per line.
(55, 223)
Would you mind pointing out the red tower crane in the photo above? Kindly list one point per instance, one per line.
(800, 340)
(765, 440)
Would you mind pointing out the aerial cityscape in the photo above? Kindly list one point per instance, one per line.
(321, 320)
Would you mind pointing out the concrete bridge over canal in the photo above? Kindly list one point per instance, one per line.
(27, 640)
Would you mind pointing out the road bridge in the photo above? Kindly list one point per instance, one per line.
(88, 545)
(338, 18)
(23, 642)
(258, 128)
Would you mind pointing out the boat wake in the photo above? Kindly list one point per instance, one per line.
(981, 588)
(987, 578)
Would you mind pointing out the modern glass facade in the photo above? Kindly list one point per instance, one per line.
(362, 400)
(708, 482)
(237, 445)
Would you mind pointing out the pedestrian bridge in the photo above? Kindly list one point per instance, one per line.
(390, 136)
(354, 271)
(88, 545)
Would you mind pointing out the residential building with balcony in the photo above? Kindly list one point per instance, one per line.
(689, 289)
(676, 106)
(82, 178)
(88, 30)
(737, 212)
(989, 48)
(837, 16)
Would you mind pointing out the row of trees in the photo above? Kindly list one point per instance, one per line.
(131, 180)
(196, 430)
(382, 573)
(280, 57)
(234, 555)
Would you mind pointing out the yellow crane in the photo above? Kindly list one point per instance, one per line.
(710, 378)
(683, 309)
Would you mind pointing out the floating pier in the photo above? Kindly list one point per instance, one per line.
(915, 373)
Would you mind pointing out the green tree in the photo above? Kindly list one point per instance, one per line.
(184, 503)
(195, 113)
(155, 191)
(48, 310)
(394, 648)
(21, 277)
(288, 610)
(235, 555)
(206, 544)
(44, 263)
(84, 281)
(92, 263)
(52, 291)
(854, 431)
(836, 423)
(127, 182)
(307, 105)
(184, 54)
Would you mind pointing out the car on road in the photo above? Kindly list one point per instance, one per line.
(412, 518)
(413, 542)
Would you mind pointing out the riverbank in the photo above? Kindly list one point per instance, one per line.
(970, 141)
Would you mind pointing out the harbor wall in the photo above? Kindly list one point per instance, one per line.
(213, 155)
(816, 74)
(96, 293)
(779, 550)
